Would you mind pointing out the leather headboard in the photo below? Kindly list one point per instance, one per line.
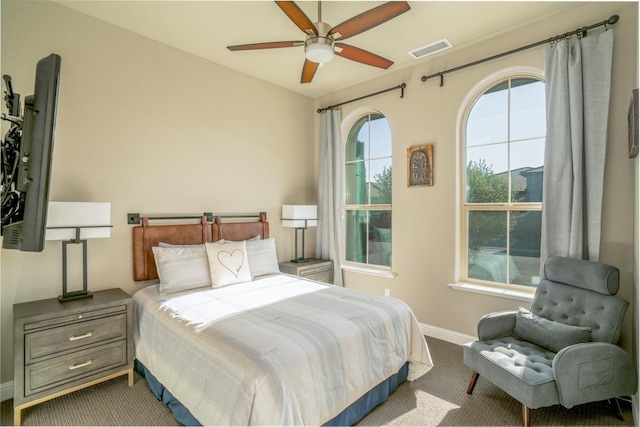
(146, 236)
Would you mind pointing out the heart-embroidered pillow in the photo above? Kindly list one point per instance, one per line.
(228, 263)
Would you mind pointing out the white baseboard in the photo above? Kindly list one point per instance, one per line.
(446, 335)
(6, 391)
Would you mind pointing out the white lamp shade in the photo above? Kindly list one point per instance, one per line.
(299, 216)
(78, 215)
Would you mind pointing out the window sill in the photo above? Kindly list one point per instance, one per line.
(497, 292)
(373, 271)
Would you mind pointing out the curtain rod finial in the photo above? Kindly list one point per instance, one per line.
(613, 19)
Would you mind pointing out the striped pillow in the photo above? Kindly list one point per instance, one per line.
(262, 257)
(181, 268)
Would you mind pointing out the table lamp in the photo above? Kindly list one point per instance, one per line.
(74, 223)
(299, 217)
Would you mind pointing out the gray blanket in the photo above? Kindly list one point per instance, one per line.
(276, 351)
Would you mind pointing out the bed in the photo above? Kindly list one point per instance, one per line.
(272, 350)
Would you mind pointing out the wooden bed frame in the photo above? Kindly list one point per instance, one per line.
(146, 236)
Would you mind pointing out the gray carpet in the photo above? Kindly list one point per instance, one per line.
(438, 398)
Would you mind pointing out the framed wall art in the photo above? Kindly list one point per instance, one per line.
(420, 166)
(633, 124)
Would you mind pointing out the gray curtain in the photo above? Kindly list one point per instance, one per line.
(328, 234)
(578, 82)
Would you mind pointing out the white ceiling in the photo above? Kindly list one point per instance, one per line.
(205, 28)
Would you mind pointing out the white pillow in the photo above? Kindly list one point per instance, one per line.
(228, 263)
(171, 245)
(181, 268)
(256, 237)
(262, 257)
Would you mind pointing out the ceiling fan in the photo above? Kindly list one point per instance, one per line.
(322, 40)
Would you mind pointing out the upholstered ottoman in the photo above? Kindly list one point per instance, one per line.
(520, 368)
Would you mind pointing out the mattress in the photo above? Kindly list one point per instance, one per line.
(280, 350)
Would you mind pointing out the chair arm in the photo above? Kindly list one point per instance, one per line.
(496, 325)
(593, 371)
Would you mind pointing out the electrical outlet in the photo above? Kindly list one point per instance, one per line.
(387, 292)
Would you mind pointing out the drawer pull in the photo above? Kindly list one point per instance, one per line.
(81, 365)
(79, 337)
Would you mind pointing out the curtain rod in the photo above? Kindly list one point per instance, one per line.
(400, 86)
(580, 31)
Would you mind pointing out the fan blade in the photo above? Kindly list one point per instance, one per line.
(308, 71)
(360, 55)
(298, 17)
(268, 45)
(369, 19)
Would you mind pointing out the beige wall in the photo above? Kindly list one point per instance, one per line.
(424, 218)
(152, 130)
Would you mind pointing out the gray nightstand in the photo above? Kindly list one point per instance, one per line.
(63, 347)
(313, 269)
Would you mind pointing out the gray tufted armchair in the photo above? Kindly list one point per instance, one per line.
(564, 350)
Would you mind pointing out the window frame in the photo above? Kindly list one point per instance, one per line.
(463, 207)
(347, 126)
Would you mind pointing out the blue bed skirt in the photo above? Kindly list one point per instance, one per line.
(354, 413)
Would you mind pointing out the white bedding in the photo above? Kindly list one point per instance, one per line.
(276, 351)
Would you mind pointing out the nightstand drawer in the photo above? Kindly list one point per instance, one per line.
(322, 276)
(59, 370)
(87, 315)
(315, 270)
(51, 341)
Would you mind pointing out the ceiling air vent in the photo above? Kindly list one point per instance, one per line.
(430, 49)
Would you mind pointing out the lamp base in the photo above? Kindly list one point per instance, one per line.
(71, 296)
(300, 260)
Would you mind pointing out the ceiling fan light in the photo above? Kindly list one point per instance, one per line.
(319, 49)
(319, 53)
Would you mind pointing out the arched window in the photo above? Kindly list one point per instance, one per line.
(367, 192)
(503, 164)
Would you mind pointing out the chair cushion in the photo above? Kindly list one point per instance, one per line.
(597, 277)
(520, 368)
(551, 335)
(580, 307)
